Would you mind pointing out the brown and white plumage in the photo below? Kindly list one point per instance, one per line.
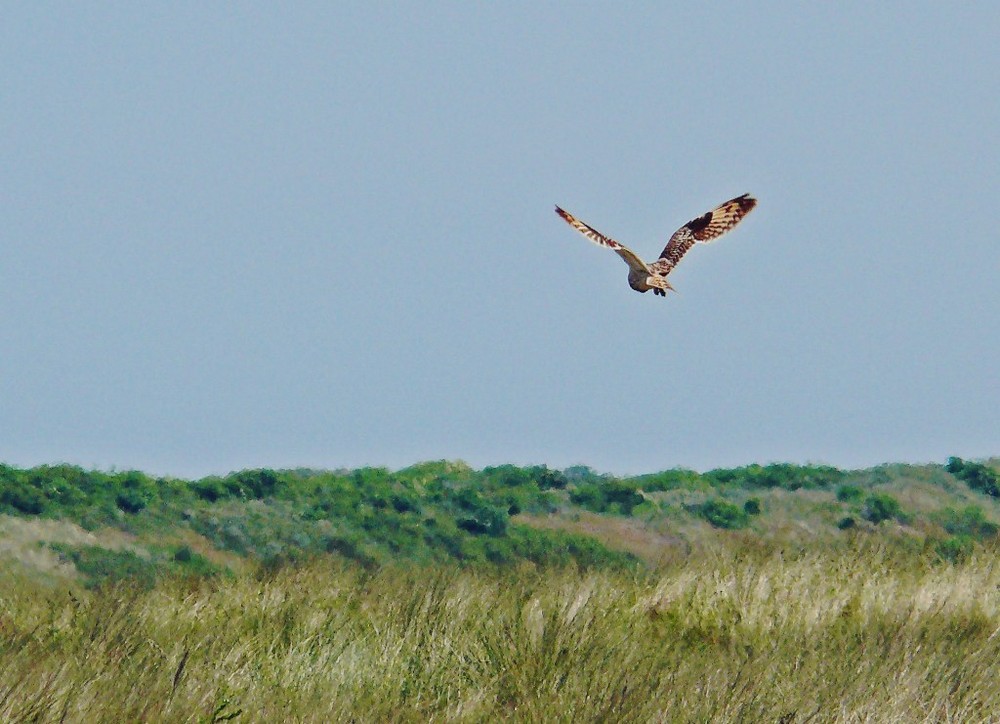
(641, 276)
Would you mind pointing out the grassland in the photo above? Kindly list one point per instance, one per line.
(438, 593)
(856, 634)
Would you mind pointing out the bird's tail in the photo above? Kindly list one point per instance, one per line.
(659, 283)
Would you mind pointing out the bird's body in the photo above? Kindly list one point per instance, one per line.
(642, 276)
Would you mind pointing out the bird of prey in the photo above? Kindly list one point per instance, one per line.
(642, 276)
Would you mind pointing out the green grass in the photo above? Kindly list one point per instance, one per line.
(442, 593)
(859, 633)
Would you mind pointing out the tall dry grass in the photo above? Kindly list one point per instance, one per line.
(860, 634)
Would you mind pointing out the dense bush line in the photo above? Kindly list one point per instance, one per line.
(977, 476)
(447, 511)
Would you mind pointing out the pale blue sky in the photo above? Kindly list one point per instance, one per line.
(240, 235)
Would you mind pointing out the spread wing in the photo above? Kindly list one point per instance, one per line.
(633, 261)
(703, 229)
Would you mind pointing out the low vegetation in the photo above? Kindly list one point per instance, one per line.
(859, 634)
(442, 512)
(442, 593)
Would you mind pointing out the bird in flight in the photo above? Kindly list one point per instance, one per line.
(642, 276)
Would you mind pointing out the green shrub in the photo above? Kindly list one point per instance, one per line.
(102, 566)
(23, 498)
(850, 494)
(955, 549)
(405, 503)
(183, 554)
(977, 476)
(752, 506)
(723, 514)
(613, 496)
(485, 520)
(560, 548)
(131, 501)
(621, 497)
(646, 510)
(970, 521)
(675, 479)
(210, 489)
(506, 476)
(882, 506)
(777, 475)
(547, 479)
(589, 496)
(255, 484)
(334, 498)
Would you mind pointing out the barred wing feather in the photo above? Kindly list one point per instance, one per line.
(703, 229)
(630, 257)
